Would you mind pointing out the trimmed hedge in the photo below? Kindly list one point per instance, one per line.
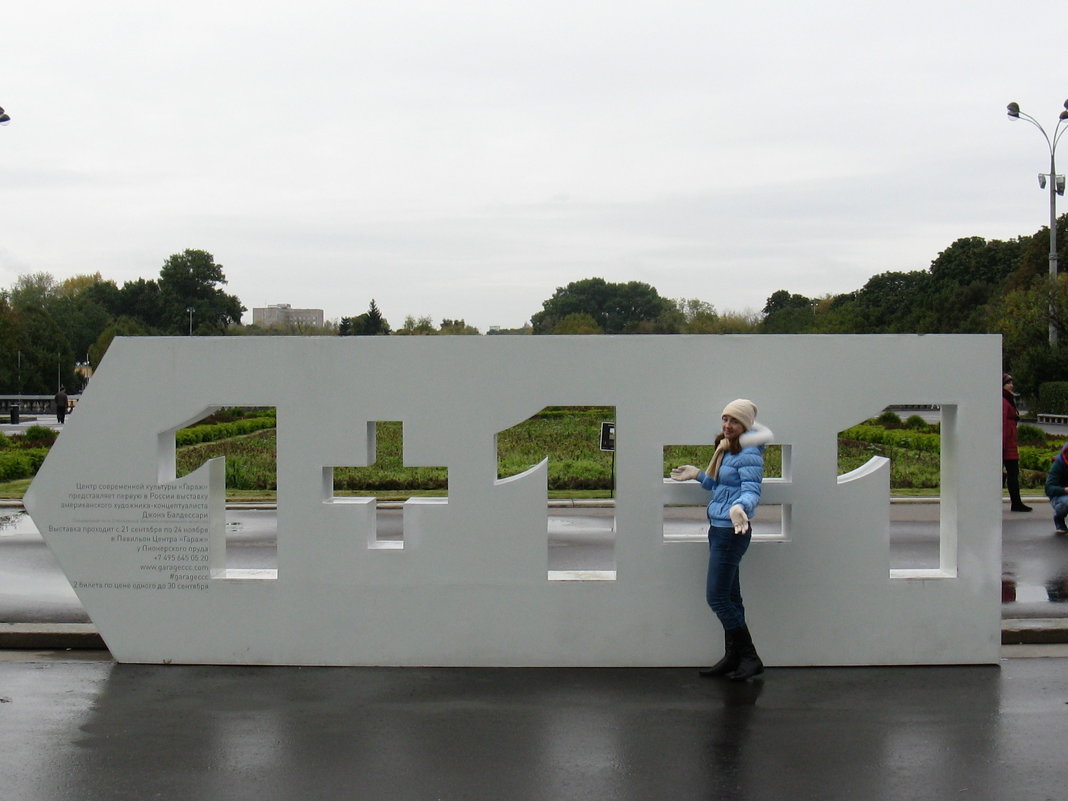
(1031, 457)
(212, 433)
(1053, 397)
(574, 411)
(895, 438)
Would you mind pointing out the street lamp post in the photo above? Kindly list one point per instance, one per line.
(1056, 187)
(190, 310)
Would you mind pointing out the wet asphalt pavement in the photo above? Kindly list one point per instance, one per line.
(94, 729)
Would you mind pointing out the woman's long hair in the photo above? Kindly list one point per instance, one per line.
(733, 445)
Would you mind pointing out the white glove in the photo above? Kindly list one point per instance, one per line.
(740, 519)
(686, 472)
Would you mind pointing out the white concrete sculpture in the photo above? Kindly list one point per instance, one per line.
(145, 552)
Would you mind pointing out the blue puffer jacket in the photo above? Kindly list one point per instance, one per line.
(739, 479)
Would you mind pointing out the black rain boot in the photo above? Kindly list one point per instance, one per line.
(1016, 502)
(749, 664)
(729, 662)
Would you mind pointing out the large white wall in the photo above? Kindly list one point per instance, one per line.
(470, 585)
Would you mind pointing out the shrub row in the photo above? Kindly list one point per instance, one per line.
(212, 433)
(564, 474)
(33, 437)
(1036, 458)
(1027, 434)
(1031, 457)
(1053, 397)
(21, 463)
(895, 438)
(550, 412)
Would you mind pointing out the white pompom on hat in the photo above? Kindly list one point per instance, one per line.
(742, 410)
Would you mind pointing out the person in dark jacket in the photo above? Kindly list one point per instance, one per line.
(61, 405)
(1010, 454)
(1057, 489)
(734, 476)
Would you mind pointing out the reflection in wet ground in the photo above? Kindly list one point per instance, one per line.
(33, 588)
(102, 730)
(12, 521)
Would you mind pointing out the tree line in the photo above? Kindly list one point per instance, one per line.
(975, 286)
(48, 327)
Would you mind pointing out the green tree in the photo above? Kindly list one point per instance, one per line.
(10, 344)
(329, 328)
(952, 296)
(1022, 317)
(370, 323)
(698, 317)
(781, 300)
(615, 308)
(1033, 258)
(120, 327)
(54, 323)
(32, 291)
(786, 313)
(964, 279)
(142, 300)
(577, 323)
(81, 310)
(191, 280)
(45, 359)
(422, 326)
(887, 302)
(457, 328)
(736, 323)
(77, 284)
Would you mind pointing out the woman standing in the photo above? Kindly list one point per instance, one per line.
(734, 475)
(1010, 454)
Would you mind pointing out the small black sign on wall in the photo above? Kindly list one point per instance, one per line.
(608, 436)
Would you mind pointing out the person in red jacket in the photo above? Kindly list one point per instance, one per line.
(1010, 454)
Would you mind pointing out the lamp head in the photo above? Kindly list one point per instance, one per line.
(4, 118)
(1014, 110)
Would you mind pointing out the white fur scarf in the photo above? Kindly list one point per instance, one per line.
(759, 434)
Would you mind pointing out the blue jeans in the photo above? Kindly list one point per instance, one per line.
(723, 590)
(1060, 509)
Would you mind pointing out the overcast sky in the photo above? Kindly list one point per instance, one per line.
(464, 159)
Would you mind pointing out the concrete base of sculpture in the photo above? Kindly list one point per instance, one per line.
(470, 586)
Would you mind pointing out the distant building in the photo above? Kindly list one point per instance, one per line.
(284, 314)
